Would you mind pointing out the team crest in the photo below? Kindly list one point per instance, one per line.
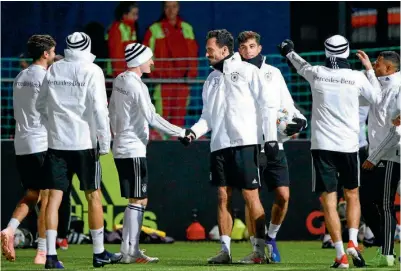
(234, 76)
(144, 187)
(268, 76)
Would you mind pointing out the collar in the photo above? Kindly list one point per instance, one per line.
(177, 24)
(37, 66)
(223, 65)
(257, 60)
(337, 63)
(389, 80)
(75, 55)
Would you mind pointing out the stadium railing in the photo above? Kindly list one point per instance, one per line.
(298, 87)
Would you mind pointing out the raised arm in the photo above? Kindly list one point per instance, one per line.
(154, 119)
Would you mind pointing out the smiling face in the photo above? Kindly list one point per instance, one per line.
(214, 52)
(249, 49)
(171, 9)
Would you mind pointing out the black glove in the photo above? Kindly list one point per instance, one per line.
(186, 140)
(285, 47)
(296, 127)
(271, 150)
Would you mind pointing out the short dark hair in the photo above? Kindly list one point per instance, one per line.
(223, 38)
(38, 44)
(391, 56)
(124, 7)
(244, 36)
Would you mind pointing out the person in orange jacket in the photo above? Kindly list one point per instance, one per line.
(122, 32)
(171, 37)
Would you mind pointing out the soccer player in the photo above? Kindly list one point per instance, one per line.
(131, 112)
(238, 109)
(334, 142)
(382, 183)
(30, 144)
(73, 103)
(274, 172)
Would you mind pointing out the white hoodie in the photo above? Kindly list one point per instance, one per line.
(73, 104)
(236, 107)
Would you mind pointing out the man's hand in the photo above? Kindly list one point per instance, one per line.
(285, 47)
(187, 137)
(271, 150)
(368, 165)
(364, 58)
(396, 121)
(296, 127)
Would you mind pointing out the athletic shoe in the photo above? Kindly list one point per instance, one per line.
(369, 242)
(221, 258)
(341, 264)
(381, 260)
(273, 255)
(253, 258)
(52, 262)
(140, 257)
(328, 244)
(62, 243)
(40, 257)
(356, 255)
(100, 260)
(7, 245)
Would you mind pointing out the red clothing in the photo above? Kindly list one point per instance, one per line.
(174, 44)
(119, 36)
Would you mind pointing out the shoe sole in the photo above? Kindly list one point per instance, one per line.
(358, 260)
(5, 240)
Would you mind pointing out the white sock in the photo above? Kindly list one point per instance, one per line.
(326, 238)
(339, 249)
(368, 233)
(135, 226)
(252, 239)
(41, 244)
(273, 230)
(98, 240)
(51, 236)
(225, 243)
(13, 224)
(259, 246)
(353, 235)
(125, 238)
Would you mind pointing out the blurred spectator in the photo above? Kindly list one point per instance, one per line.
(95, 31)
(23, 63)
(122, 32)
(171, 37)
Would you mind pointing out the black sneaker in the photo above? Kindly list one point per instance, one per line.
(328, 244)
(369, 242)
(100, 260)
(52, 262)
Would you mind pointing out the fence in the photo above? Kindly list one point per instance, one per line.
(179, 99)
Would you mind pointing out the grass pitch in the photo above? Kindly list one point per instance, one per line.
(193, 256)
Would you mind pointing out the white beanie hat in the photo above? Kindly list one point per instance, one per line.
(79, 41)
(137, 54)
(337, 46)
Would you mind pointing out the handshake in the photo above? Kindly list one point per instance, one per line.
(187, 136)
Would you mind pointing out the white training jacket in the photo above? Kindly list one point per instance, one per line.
(335, 93)
(274, 81)
(381, 114)
(30, 133)
(73, 104)
(131, 112)
(237, 106)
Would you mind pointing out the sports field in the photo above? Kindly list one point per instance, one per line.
(192, 256)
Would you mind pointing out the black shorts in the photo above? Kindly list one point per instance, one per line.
(133, 175)
(62, 165)
(333, 170)
(274, 173)
(31, 168)
(236, 167)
